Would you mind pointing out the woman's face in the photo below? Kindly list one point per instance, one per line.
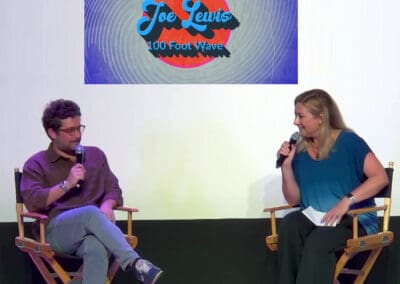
(307, 123)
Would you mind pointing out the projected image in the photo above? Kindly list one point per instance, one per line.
(185, 41)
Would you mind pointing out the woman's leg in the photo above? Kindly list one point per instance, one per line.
(318, 261)
(293, 230)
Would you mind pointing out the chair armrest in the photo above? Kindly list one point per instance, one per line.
(126, 209)
(277, 208)
(42, 220)
(356, 212)
(272, 211)
(34, 215)
(129, 228)
(272, 239)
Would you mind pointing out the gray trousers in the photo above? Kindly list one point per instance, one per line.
(86, 232)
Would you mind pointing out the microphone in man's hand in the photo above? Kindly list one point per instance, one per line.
(293, 140)
(79, 154)
(80, 157)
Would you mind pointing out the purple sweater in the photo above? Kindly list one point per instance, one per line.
(46, 169)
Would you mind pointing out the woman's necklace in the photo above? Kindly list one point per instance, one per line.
(314, 151)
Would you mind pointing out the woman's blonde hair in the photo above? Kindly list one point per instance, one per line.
(320, 104)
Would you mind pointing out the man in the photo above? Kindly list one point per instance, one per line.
(79, 198)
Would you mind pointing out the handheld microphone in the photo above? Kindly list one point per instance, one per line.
(293, 140)
(80, 158)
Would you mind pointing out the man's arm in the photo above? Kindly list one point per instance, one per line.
(111, 185)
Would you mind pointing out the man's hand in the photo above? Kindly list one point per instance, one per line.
(107, 208)
(76, 174)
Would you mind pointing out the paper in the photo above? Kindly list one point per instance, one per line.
(315, 216)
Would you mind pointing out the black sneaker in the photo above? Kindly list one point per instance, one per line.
(147, 272)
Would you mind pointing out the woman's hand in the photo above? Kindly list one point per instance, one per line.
(288, 151)
(333, 216)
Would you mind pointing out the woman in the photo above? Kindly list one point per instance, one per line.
(332, 170)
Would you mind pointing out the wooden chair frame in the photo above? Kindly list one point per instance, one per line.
(41, 252)
(373, 243)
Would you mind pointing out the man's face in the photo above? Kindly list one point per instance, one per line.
(68, 135)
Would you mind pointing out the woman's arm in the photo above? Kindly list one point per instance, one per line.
(376, 180)
(290, 188)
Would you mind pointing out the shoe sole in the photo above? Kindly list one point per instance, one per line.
(157, 277)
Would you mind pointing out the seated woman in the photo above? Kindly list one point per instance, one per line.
(332, 170)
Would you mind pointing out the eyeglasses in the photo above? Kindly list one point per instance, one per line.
(72, 130)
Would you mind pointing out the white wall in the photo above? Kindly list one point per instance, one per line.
(197, 151)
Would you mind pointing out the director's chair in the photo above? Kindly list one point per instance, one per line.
(373, 243)
(47, 261)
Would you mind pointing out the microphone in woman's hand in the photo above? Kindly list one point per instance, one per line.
(293, 140)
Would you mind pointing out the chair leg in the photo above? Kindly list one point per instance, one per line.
(77, 275)
(112, 270)
(368, 266)
(42, 269)
(64, 277)
(341, 263)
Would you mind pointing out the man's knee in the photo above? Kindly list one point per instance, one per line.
(91, 212)
(90, 209)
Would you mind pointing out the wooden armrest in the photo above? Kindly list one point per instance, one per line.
(272, 240)
(34, 215)
(277, 208)
(129, 229)
(126, 209)
(355, 212)
(37, 216)
(365, 210)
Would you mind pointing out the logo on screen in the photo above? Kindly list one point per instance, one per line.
(186, 33)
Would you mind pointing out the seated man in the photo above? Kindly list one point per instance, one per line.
(79, 197)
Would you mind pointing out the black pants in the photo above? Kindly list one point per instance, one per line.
(306, 253)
